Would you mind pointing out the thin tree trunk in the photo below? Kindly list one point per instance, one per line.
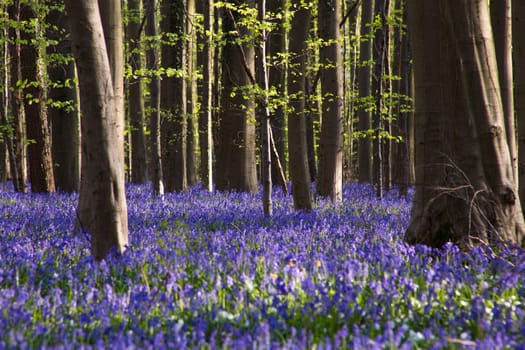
(15, 102)
(191, 164)
(205, 60)
(276, 79)
(139, 169)
(102, 207)
(364, 71)
(330, 176)
(152, 64)
(299, 170)
(264, 112)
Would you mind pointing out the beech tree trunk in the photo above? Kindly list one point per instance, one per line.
(330, 175)
(236, 167)
(205, 61)
(299, 170)
(139, 169)
(64, 116)
(173, 97)
(19, 170)
(191, 99)
(363, 74)
(518, 49)
(37, 128)
(102, 209)
(464, 190)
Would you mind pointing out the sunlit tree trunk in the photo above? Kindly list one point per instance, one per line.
(37, 128)
(299, 171)
(364, 71)
(191, 163)
(465, 192)
(102, 209)
(152, 64)
(205, 61)
(139, 168)
(64, 116)
(173, 97)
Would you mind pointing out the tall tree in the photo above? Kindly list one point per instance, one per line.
(152, 64)
(363, 113)
(63, 113)
(330, 176)
(264, 113)
(173, 96)
(191, 99)
(518, 50)
(501, 17)
(205, 62)
(236, 167)
(464, 190)
(276, 48)
(299, 171)
(139, 169)
(39, 148)
(102, 208)
(15, 102)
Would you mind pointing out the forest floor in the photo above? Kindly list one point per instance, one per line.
(208, 270)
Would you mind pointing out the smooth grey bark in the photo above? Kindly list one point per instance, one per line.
(330, 175)
(152, 64)
(298, 159)
(191, 162)
(518, 51)
(64, 120)
(464, 189)
(102, 208)
(205, 62)
(364, 76)
(139, 168)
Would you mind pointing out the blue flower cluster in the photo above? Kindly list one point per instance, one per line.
(209, 271)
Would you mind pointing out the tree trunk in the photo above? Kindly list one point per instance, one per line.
(15, 102)
(464, 191)
(236, 167)
(152, 64)
(299, 170)
(518, 47)
(501, 17)
(37, 128)
(102, 207)
(205, 61)
(139, 169)
(330, 176)
(264, 112)
(191, 164)
(363, 74)
(64, 116)
(173, 97)
(276, 79)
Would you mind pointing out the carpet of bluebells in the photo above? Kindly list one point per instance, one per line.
(209, 271)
